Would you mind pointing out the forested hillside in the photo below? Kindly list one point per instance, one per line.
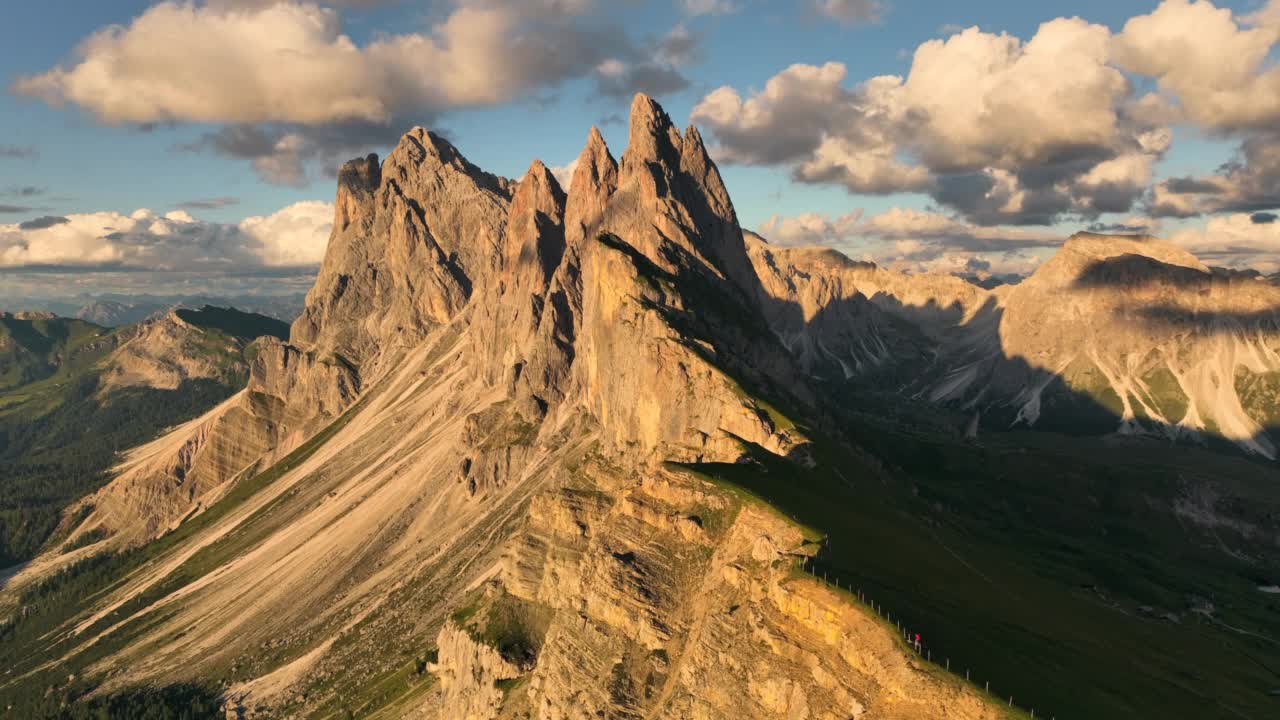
(62, 422)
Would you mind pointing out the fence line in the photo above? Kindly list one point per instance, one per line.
(904, 630)
(879, 609)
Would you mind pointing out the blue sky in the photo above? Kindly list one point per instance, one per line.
(73, 159)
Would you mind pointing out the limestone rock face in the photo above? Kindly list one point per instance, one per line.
(411, 241)
(358, 180)
(159, 484)
(470, 673)
(413, 238)
(658, 617)
(481, 401)
(670, 198)
(1112, 334)
(595, 178)
(312, 385)
(1145, 330)
(290, 395)
(846, 319)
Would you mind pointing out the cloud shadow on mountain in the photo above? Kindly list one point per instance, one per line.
(1007, 391)
(1132, 270)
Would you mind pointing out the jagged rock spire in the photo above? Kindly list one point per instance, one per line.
(538, 192)
(412, 239)
(595, 178)
(535, 226)
(671, 194)
(696, 162)
(358, 180)
(653, 138)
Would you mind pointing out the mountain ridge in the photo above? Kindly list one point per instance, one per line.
(1103, 325)
(488, 474)
(75, 393)
(516, 332)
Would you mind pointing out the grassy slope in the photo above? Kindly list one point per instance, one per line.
(1042, 564)
(39, 356)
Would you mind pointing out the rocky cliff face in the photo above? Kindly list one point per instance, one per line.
(851, 320)
(1148, 332)
(1112, 334)
(503, 372)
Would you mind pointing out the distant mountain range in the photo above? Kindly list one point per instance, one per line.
(112, 310)
(1114, 334)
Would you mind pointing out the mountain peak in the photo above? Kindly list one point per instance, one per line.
(653, 137)
(361, 174)
(696, 162)
(595, 139)
(538, 192)
(535, 228)
(540, 176)
(422, 151)
(643, 106)
(433, 143)
(595, 177)
(1097, 246)
(693, 141)
(357, 181)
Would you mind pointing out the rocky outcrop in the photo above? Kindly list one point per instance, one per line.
(411, 241)
(514, 368)
(675, 601)
(1146, 332)
(471, 674)
(291, 393)
(595, 178)
(670, 204)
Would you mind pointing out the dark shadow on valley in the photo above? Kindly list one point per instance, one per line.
(1048, 558)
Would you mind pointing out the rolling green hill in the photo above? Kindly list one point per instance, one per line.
(35, 348)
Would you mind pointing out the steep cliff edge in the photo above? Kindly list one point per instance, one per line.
(470, 509)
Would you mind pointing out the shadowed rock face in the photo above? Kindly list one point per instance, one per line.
(513, 366)
(1112, 334)
(1146, 328)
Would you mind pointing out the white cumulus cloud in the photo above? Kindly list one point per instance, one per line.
(288, 89)
(294, 236)
(1010, 131)
(999, 129)
(1236, 240)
